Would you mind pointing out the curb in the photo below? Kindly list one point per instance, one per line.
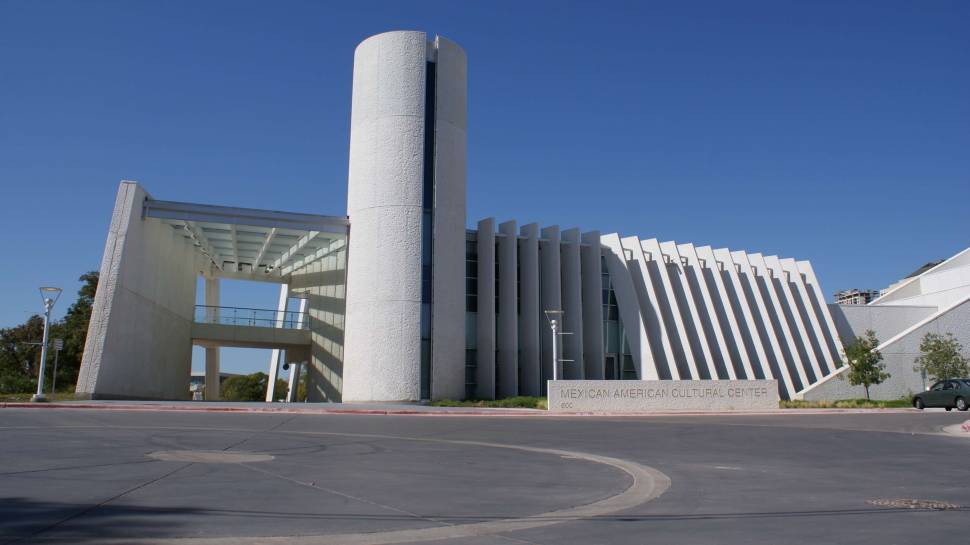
(958, 430)
(433, 412)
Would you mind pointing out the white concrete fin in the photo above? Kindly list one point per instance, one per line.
(681, 285)
(748, 308)
(714, 267)
(834, 343)
(627, 298)
(802, 340)
(807, 312)
(688, 252)
(652, 247)
(767, 302)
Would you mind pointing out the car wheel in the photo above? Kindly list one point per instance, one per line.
(918, 403)
(962, 404)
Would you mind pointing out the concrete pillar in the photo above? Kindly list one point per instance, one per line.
(529, 312)
(550, 298)
(212, 353)
(276, 355)
(507, 362)
(572, 305)
(450, 151)
(293, 384)
(591, 272)
(485, 353)
(406, 202)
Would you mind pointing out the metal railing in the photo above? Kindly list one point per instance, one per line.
(252, 317)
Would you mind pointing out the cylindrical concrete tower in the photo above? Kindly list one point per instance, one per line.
(404, 332)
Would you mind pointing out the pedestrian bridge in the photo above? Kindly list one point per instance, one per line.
(215, 326)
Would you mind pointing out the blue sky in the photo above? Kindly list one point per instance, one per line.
(832, 131)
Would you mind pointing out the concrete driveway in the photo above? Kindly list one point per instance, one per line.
(94, 476)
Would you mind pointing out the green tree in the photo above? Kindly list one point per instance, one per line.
(942, 357)
(865, 362)
(246, 387)
(74, 330)
(20, 358)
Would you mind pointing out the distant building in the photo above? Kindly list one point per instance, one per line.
(855, 297)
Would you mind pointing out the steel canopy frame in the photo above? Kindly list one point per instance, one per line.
(173, 210)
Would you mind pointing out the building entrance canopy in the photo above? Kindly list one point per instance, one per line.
(248, 243)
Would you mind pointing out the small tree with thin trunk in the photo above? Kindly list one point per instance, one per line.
(941, 357)
(865, 362)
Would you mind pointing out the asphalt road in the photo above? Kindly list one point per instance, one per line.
(90, 476)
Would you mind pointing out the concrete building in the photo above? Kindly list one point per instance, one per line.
(925, 267)
(855, 297)
(400, 301)
(934, 300)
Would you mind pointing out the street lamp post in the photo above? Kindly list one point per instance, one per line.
(555, 317)
(50, 296)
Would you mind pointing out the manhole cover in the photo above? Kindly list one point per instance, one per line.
(915, 504)
(209, 456)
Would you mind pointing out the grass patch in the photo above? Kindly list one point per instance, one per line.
(518, 402)
(847, 404)
(24, 397)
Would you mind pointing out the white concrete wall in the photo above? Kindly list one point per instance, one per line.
(382, 358)
(139, 341)
(726, 315)
(324, 283)
(899, 354)
(886, 321)
(939, 286)
(448, 344)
